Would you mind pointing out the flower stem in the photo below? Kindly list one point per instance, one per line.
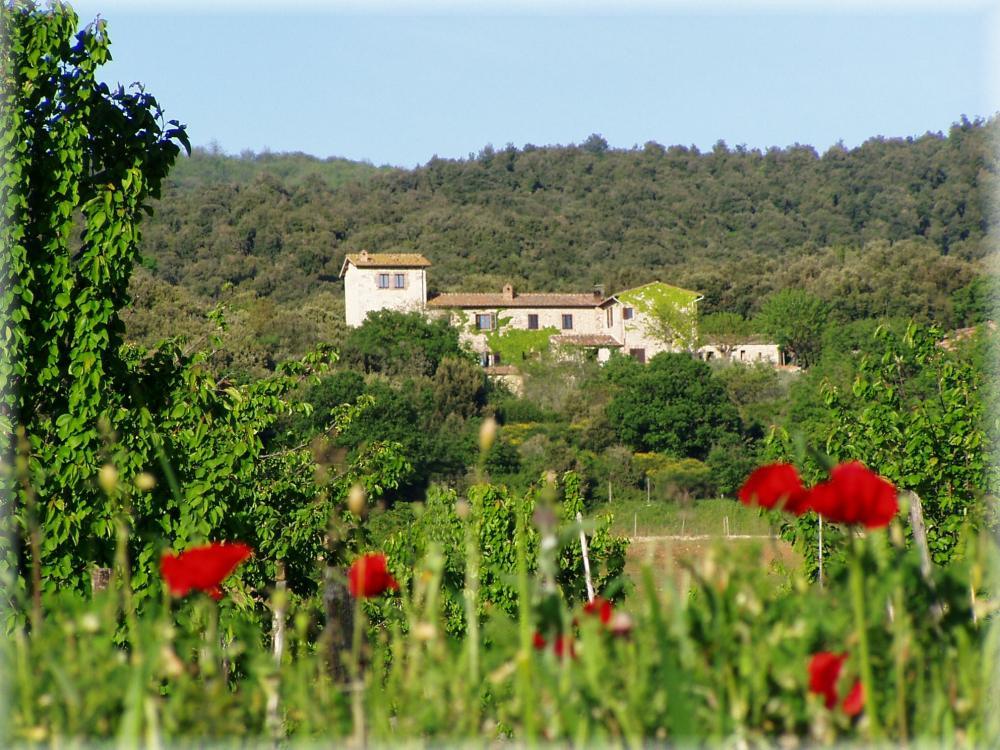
(472, 614)
(861, 628)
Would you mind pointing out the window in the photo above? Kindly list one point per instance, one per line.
(627, 313)
(383, 281)
(638, 354)
(484, 321)
(532, 322)
(611, 316)
(484, 359)
(400, 280)
(567, 321)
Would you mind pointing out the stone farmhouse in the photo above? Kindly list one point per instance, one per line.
(748, 353)
(509, 326)
(506, 327)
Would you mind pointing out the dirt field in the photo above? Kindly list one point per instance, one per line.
(665, 553)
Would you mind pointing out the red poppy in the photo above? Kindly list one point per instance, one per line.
(855, 494)
(369, 576)
(202, 568)
(775, 485)
(599, 607)
(824, 670)
(563, 644)
(855, 700)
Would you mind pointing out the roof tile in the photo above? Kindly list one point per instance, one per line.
(388, 260)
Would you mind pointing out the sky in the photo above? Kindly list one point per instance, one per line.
(398, 83)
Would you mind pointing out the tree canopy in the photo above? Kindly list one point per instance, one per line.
(893, 227)
(673, 404)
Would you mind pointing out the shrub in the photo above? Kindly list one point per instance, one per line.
(616, 465)
(674, 405)
(398, 343)
(493, 512)
(731, 461)
(684, 478)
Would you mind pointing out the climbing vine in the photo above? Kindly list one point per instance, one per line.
(99, 436)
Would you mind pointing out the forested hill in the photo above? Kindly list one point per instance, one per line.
(894, 226)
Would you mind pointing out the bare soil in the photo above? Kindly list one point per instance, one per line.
(667, 555)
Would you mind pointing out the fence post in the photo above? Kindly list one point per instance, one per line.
(278, 602)
(586, 558)
(920, 539)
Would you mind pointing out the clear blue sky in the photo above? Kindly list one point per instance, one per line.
(397, 89)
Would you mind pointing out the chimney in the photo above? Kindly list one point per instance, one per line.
(364, 255)
(599, 291)
(508, 291)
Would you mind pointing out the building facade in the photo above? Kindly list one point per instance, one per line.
(383, 281)
(749, 353)
(507, 327)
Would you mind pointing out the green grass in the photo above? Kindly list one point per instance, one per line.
(634, 516)
(715, 658)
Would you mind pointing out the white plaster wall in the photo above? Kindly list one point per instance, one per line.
(635, 333)
(362, 294)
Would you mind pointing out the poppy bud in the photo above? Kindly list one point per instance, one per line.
(144, 481)
(487, 434)
(107, 477)
(356, 500)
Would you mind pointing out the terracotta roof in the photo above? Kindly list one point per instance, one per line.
(960, 334)
(385, 260)
(584, 339)
(499, 299)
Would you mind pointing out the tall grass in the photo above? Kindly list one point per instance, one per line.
(719, 653)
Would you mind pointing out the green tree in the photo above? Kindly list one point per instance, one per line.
(81, 165)
(976, 302)
(459, 387)
(920, 421)
(796, 319)
(723, 330)
(398, 343)
(673, 405)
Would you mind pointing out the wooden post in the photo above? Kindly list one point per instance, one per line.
(635, 525)
(279, 603)
(586, 558)
(339, 628)
(100, 578)
(278, 614)
(920, 539)
(609, 490)
(647, 489)
(920, 534)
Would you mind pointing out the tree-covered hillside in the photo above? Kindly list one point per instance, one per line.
(894, 227)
